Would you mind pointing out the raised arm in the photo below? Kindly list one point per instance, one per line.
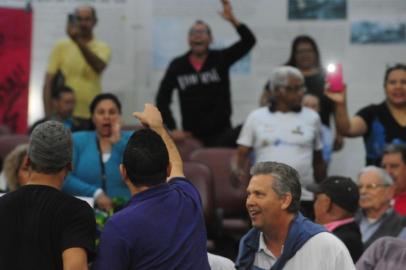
(247, 38)
(151, 117)
(97, 64)
(349, 127)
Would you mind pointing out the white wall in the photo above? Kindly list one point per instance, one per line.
(129, 27)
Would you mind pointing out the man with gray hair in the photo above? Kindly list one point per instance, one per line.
(285, 132)
(377, 217)
(282, 238)
(42, 227)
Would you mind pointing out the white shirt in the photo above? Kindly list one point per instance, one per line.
(321, 252)
(288, 138)
(264, 258)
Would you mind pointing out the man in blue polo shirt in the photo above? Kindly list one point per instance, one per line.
(163, 225)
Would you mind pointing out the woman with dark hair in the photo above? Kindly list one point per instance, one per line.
(379, 124)
(97, 155)
(305, 56)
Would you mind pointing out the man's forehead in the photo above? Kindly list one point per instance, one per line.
(84, 12)
(397, 157)
(370, 177)
(260, 181)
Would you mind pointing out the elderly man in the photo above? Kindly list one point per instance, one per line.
(81, 59)
(43, 227)
(377, 218)
(282, 238)
(202, 79)
(335, 206)
(285, 132)
(394, 162)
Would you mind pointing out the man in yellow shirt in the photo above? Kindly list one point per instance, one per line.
(81, 60)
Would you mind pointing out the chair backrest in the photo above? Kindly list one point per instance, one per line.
(4, 130)
(230, 194)
(187, 146)
(201, 177)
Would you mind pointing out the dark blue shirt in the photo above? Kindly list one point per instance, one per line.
(162, 228)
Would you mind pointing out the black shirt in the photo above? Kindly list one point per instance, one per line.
(315, 85)
(38, 223)
(205, 98)
(382, 129)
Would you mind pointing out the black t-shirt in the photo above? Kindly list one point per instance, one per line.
(382, 129)
(315, 85)
(38, 223)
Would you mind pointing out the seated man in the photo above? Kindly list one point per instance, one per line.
(163, 225)
(282, 238)
(335, 206)
(42, 227)
(63, 104)
(394, 162)
(377, 217)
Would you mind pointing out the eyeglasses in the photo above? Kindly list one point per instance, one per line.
(371, 186)
(295, 89)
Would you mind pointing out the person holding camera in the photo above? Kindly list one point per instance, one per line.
(81, 59)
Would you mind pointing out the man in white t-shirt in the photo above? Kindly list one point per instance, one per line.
(285, 132)
(281, 238)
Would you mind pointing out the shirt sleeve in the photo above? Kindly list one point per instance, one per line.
(164, 97)
(236, 51)
(54, 59)
(247, 136)
(114, 251)
(73, 185)
(367, 114)
(79, 227)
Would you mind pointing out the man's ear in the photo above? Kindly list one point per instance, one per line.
(123, 172)
(286, 201)
(69, 167)
(26, 161)
(168, 170)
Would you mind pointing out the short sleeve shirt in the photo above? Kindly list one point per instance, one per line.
(78, 74)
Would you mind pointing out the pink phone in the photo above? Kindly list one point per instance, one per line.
(335, 77)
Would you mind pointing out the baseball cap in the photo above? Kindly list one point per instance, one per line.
(341, 190)
(50, 146)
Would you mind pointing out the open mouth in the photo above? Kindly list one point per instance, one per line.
(253, 213)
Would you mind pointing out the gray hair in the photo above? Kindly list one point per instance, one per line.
(286, 180)
(384, 177)
(50, 147)
(396, 149)
(281, 74)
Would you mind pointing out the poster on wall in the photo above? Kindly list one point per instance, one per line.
(378, 32)
(15, 55)
(317, 9)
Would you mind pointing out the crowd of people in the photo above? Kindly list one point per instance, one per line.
(301, 217)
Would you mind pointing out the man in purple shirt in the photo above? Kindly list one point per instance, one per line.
(163, 225)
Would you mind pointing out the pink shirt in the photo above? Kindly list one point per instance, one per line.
(335, 224)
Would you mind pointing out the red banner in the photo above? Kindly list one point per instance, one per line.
(15, 57)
